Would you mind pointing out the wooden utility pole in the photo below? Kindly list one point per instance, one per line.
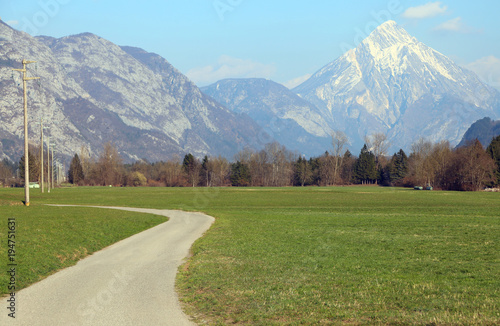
(41, 156)
(52, 167)
(26, 158)
(48, 165)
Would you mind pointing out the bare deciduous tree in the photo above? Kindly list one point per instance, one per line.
(244, 155)
(339, 142)
(473, 166)
(6, 173)
(280, 160)
(436, 164)
(421, 150)
(259, 168)
(378, 144)
(220, 168)
(272, 166)
(108, 170)
(85, 160)
(327, 169)
(170, 173)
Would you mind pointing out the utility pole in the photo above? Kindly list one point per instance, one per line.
(45, 179)
(26, 158)
(52, 166)
(59, 177)
(48, 164)
(41, 156)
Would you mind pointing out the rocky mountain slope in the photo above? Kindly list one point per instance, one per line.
(291, 120)
(394, 84)
(92, 91)
(484, 130)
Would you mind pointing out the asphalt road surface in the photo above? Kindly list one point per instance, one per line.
(128, 283)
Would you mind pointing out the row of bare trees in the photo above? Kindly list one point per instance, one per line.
(429, 164)
(468, 167)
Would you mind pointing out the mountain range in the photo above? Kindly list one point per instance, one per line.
(291, 120)
(92, 91)
(390, 83)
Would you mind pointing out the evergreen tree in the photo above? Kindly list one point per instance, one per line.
(365, 168)
(302, 172)
(75, 172)
(205, 172)
(34, 167)
(395, 170)
(348, 167)
(240, 175)
(191, 167)
(494, 151)
(399, 166)
(315, 166)
(385, 175)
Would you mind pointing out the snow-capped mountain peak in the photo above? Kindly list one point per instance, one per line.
(391, 76)
(387, 35)
(391, 47)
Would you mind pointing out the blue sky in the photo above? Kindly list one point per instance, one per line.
(285, 41)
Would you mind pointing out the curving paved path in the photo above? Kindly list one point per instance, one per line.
(128, 283)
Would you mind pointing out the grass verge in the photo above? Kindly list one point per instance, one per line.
(51, 238)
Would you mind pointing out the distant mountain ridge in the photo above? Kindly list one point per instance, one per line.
(291, 120)
(483, 130)
(93, 91)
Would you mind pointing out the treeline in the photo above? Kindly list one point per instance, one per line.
(429, 164)
(438, 165)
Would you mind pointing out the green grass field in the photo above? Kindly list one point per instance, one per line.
(51, 238)
(354, 255)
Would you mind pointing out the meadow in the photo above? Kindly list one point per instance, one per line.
(308, 256)
(48, 239)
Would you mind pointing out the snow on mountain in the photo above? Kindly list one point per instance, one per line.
(93, 91)
(393, 83)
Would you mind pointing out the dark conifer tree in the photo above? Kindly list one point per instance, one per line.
(315, 166)
(494, 151)
(365, 169)
(191, 167)
(348, 167)
(240, 175)
(34, 167)
(75, 172)
(205, 172)
(302, 172)
(399, 166)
